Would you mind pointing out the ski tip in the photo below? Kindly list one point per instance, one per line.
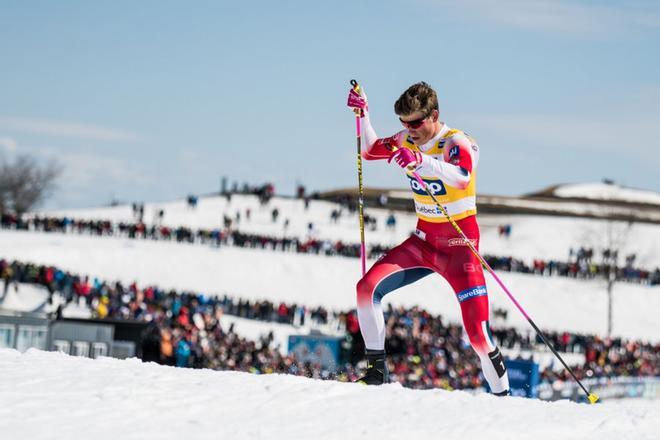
(593, 398)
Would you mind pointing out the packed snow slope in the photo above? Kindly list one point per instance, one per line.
(54, 396)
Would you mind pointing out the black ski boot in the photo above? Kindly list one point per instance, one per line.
(377, 373)
(503, 393)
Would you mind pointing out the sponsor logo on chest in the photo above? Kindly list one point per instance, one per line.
(435, 186)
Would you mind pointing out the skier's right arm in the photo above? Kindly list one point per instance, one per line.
(373, 147)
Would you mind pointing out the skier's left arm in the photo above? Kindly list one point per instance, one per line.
(458, 165)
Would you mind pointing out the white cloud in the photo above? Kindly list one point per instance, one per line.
(84, 170)
(89, 176)
(8, 144)
(65, 129)
(560, 16)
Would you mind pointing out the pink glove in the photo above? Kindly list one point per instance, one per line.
(406, 158)
(358, 102)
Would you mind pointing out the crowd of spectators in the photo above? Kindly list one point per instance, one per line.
(181, 234)
(576, 269)
(264, 192)
(424, 351)
(184, 327)
(610, 357)
(581, 264)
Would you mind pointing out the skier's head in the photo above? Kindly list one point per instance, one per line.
(418, 111)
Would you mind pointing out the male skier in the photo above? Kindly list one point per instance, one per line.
(446, 159)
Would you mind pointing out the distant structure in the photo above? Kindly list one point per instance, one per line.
(78, 337)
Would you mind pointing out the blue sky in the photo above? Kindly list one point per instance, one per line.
(153, 100)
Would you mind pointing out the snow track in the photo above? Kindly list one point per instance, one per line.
(54, 396)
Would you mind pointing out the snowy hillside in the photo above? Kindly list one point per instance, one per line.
(51, 395)
(532, 236)
(604, 191)
(555, 303)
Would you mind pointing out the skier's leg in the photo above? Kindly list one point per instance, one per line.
(474, 310)
(400, 266)
(466, 277)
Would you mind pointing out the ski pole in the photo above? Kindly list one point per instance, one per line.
(593, 398)
(358, 114)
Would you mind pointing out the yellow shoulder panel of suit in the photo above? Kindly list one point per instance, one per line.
(408, 143)
(451, 132)
(435, 150)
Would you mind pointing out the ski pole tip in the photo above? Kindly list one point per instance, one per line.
(593, 398)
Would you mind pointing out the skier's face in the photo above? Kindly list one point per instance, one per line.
(420, 127)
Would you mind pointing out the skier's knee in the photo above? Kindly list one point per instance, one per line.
(365, 287)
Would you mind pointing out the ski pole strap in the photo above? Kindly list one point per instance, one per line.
(355, 100)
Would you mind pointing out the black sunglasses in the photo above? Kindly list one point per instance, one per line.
(416, 123)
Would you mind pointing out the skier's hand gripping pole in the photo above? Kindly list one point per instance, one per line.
(357, 103)
(593, 398)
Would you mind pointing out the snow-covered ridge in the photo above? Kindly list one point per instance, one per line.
(138, 401)
(607, 192)
(570, 208)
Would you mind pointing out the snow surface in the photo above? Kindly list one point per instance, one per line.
(554, 303)
(55, 396)
(604, 191)
(26, 298)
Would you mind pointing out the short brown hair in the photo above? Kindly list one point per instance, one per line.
(419, 97)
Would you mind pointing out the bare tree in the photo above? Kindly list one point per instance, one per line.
(611, 238)
(24, 183)
(615, 240)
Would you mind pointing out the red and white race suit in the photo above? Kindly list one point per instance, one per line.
(449, 170)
